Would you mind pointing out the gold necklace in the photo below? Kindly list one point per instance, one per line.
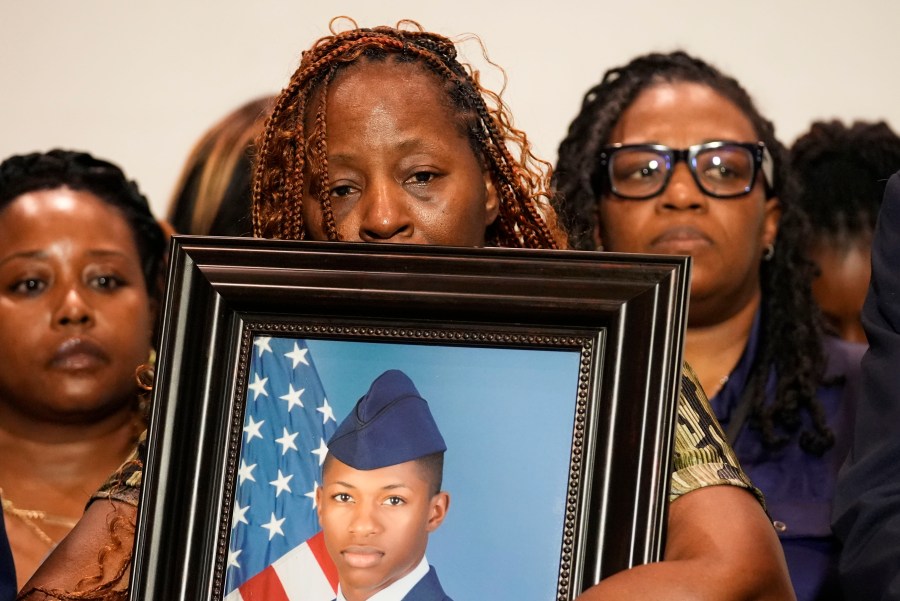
(30, 517)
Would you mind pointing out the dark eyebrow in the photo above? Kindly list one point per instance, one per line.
(31, 254)
(396, 486)
(414, 144)
(387, 487)
(406, 145)
(345, 158)
(41, 254)
(107, 253)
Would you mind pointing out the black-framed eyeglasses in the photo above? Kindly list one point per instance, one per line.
(721, 169)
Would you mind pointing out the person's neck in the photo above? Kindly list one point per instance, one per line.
(46, 461)
(714, 347)
(49, 470)
(406, 582)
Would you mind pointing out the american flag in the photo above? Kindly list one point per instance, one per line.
(276, 550)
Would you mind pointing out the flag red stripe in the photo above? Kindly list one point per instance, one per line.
(265, 586)
(317, 546)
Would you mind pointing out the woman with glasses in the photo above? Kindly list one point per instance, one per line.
(670, 156)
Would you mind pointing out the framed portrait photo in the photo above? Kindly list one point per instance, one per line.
(552, 377)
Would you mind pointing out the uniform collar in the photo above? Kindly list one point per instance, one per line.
(399, 588)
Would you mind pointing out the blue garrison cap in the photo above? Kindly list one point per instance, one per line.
(390, 424)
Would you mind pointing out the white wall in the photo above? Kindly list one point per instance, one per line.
(138, 82)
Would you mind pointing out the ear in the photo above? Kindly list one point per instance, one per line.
(491, 200)
(771, 219)
(440, 503)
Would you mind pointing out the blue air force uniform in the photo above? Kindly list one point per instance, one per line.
(391, 424)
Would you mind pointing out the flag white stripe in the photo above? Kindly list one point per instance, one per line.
(234, 595)
(302, 577)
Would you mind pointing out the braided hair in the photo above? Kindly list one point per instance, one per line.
(20, 174)
(843, 171)
(289, 154)
(791, 336)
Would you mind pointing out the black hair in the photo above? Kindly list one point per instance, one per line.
(791, 326)
(433, 468)
(843, 171)
(20, 174)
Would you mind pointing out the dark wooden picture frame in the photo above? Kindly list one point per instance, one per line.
(624, 314)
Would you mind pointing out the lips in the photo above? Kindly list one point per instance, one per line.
(361, 556)
(680, 240)
(76, 354)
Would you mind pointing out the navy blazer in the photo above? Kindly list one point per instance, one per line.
(427, 589)
(866, 515)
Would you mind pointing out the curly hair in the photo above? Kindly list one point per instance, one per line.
(288, 154)
(20, 174)
(843, 171)
(791, 326)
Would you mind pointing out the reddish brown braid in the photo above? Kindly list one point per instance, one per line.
(112, 573)
(288, 153)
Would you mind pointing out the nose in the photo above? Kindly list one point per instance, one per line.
(682, 193)
(385, 214)
(364, 521)
(73, 309)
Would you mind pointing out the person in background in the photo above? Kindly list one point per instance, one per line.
(670, 156)
(843, 171)
(866, 515)
(212, 197)
(80, 259)
(384, 136)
